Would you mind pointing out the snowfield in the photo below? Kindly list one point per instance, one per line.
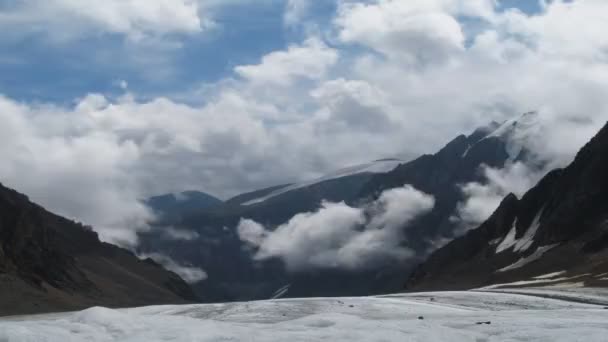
(444, 316)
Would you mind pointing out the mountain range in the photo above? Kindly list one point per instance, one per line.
(234, 275)
(555, 234)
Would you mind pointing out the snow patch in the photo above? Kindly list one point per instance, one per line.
(528, 239)
(509, 240)
(379, 166)
(551, 275)
(527, 260)
(523, 283)
(517, 133)
(525, 242)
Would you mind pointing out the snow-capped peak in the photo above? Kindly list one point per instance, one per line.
(517, 132)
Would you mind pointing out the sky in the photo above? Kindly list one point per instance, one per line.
(105, 103)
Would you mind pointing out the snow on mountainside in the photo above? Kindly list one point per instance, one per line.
(441, 316)
(559, 225)
(378, 166)
(516, 132)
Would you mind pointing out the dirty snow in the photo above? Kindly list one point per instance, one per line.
(445, 316)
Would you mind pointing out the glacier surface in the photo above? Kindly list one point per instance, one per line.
(442, 316)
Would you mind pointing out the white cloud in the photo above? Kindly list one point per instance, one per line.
(558, 32)
(309, 60)
(191, 275)
(136, 19)
(482, 199)
(411, 32)
(340, 236)
(295, 10)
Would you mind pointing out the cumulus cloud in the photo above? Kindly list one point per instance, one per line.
(412, 32)
(67, 19)
(191, 275)
(309, 60)
(340, 236)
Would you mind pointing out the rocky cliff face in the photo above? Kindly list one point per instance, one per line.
(560, 227)
(49, 263)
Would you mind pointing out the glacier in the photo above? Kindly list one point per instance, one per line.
(439, 316)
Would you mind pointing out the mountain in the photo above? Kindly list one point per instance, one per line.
(557, 233)
(233, 275)
(375, 167)
(172, 207)
(49, 263)
(220, 252)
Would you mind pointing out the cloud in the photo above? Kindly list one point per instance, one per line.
(351, 93)
(172, 233)
(340, 236)
(482, 199)
(410, 32)
(191, 275)
(136, 19)
(295, 10)
(309, 60)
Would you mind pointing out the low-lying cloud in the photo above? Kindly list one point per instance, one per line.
(175, 234)
(482, 199)
(191, 275)
(341, 236)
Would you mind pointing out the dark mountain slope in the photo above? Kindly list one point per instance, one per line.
(233, 275)
(441, 176)
(172, 207)
(561, 225)
(49, 263)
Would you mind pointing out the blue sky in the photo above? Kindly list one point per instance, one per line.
(34, 69)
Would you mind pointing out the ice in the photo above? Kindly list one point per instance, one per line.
(379, 166)
(551, 275)
(443, 316)
(524, 261)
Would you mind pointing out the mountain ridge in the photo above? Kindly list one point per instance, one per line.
(560, 225)
(49, 263)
